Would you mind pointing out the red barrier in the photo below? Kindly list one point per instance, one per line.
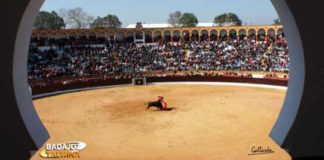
(77, 83)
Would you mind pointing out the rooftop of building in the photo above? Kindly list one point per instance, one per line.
(165, 25)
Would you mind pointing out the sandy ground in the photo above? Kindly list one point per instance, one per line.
(207, 122)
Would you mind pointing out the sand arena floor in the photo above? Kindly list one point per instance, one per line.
(207, 122)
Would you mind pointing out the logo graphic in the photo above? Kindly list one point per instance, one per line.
(63, 150)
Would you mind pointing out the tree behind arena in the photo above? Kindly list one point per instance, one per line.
(47, 20)
(76, 18)
(277, 21)
(109, 21)
(188, 20)
(228, 19)
(174, 18)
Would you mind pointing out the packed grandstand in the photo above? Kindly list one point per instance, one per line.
(73, 57)
(83, 58)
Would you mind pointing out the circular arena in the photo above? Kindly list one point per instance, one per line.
(204, 121)
(224, 93)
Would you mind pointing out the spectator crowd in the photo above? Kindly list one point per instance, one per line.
(56, 58)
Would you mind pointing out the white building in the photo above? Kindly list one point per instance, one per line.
(165, 25)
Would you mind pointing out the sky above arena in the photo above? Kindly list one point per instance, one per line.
(157, 11)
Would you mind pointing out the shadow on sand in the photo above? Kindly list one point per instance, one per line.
(164, 110)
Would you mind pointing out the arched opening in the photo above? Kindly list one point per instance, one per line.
(53, 38)
(252, 34)
(280, 32)
(148, 37)
(92, 38)
(101, 38)
(157, 37)
(261, 34)
(64, 39)
(71, 38)
(139, 35)
(176, 36)
(186, 35)
(204, 35)
(83, 38)
(233, 34)
(111, 37)
(130, 37)
(271, 32)
(242, 33)
(167, 36)
(223, 35)
(120, 37)
(271, 35)
(43, 39)
(213, 35)
(194, 35)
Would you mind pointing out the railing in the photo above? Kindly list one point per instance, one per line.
(41, 87)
